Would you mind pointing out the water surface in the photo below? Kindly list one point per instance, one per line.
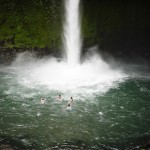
(117, 118)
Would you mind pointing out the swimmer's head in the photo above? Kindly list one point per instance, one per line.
(71, 98)
(42, 98)
(68, 105)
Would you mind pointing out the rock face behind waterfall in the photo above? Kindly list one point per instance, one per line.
(120, 28)
(7, 55)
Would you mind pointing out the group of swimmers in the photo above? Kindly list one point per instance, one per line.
(69, 104)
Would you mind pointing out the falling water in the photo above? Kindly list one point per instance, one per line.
(92, 76)
(72, 37)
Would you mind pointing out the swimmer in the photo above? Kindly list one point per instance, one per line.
(69, 107)
(42, 101)
(59, 98)
(71, 101)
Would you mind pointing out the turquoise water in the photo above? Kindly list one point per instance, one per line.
(118, 118)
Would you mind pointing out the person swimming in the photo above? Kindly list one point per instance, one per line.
(70, 101)
(59, 97)
(42, 100)
(69, 107)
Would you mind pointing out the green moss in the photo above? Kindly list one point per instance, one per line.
(30, 24)
(34, 23)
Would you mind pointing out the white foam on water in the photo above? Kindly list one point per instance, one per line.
(93, 75)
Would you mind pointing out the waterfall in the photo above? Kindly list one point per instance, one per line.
(72, 36)
(93, 75)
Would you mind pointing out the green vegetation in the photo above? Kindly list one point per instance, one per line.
(30, 24)
(109, 23)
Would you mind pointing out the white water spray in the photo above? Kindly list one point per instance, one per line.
(72, 36)
(92, 76)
